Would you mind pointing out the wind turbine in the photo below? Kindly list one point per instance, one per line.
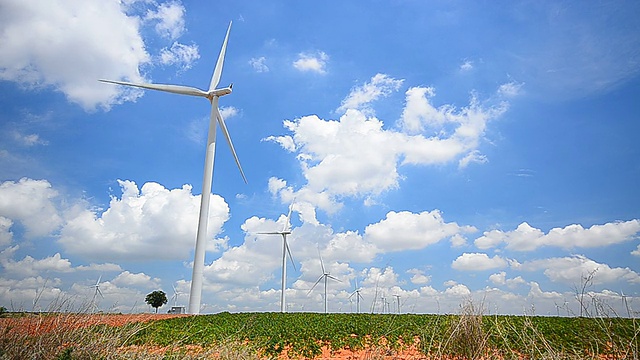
(213, 95)
(625, 303)
(176, 293)
(325, 275)
(398, 300)
(356, 292)
(286, 230)
(95, 294)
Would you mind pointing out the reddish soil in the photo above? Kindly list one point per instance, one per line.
(34, 324)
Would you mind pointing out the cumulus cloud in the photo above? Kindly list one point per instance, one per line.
(180, 54)
(5, 231)
(127, 278)
(357, 156)
(409, 231)
(71, 44)
(169, 19)
(527, 238)
(32, 203)
(150, 223)
(478, 262)
(501, 279)
(312, 62)
(574, 269)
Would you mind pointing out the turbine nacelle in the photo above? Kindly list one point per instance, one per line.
(220, 92)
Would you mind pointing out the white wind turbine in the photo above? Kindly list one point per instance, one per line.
(213, 95)
(358, 296)
(95, 294)
(398, 301)
(286, 230)
(325, 275)
(176, 293)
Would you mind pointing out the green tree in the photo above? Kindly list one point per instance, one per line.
(156, 299)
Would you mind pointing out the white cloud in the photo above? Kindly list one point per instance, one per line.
(69, 45)
(360, 97)
(32, 267)
(153, 223)
(419, 277)
(472, 157)
(527, 238)
(636, 252)
(478, 262)
(573, 270)
(466, 66)
(458, 290)
(180, 54)
(5, 231)
(498, 278)
(510, 89)
(127, 278)
(169, 18)
(29, 140)
(259, 64)
(356, 156)
(314, 62)
(501, 279)
(32, 203)
(409, 231)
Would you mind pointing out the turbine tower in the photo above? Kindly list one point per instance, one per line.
(213, 95)
(325, 275)
(286, 230)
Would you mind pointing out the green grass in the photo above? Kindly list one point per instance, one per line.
(469, 335)
(465, 335)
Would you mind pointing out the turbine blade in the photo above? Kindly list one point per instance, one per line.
(176, 89)
(215, 111)
(99, 278)
(287, 224)
(334, 278)
(286, 244)
(321, 262)
(100, 292)
(314, 285)
(270, 233)
(217, 72)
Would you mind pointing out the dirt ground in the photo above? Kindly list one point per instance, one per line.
(34, 324)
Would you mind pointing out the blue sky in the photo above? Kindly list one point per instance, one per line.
(440, 151)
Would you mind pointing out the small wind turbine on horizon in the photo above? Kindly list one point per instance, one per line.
(286, 230)
(95, 294)
(356, 292)
(213, 95)
(176, 293)
(398, 301)
(325, 275)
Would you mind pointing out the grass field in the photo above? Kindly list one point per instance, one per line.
(367, 336)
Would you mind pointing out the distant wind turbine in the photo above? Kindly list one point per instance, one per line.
(325, 275)
(625, 303)
(95, 294)
(286, 230)
(213, 95)
(176, 293)
(398, 300)
(358, 296)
